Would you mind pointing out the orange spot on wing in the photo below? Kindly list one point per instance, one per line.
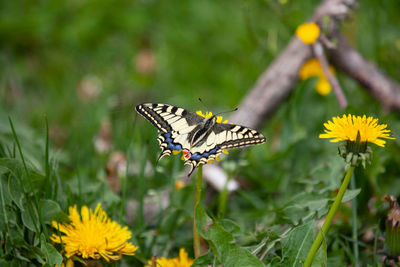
(186, 154)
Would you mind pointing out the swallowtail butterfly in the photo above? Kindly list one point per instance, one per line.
(200, 139)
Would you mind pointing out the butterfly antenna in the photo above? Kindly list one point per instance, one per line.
(201, 101)
(226, 111)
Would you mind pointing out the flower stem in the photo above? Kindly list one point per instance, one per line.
(197, 198)
(335, 206)
(354, 223)
(223, 198)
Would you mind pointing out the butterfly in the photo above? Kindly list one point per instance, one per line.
(200, 139)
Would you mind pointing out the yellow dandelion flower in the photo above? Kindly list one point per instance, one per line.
(308, 32)
(347, 127)
(181, 261)
(313, 68)
(323, 87)
(93, 235)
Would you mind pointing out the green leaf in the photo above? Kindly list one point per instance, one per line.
(321, 257)
(350, 194)
(16, 236)
(37, 180)
(15, 191)
(51, 211)
(15, 171)
(305, 205)
(3, 170)
(230, 226)
(223, 243)
(203, 260)
(202, 222)
(34, 252)
(53, 257)
(297, 244)
(5, 190)
(27, 219)
(20, 256)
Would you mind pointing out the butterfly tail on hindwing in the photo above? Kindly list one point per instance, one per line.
(192, 167)
(165, 151)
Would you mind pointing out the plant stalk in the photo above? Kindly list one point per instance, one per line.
(328, 221)
(354, 222)
(223, 198)
(197, 198)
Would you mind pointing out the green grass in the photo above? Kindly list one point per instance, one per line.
(208, 49)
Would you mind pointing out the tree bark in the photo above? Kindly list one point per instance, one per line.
(349, 61)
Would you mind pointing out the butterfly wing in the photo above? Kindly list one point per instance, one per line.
(178, 128)
(168, 118)
(173, 123)
(222, 136)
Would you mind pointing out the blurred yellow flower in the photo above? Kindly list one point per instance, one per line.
(93, 235)
(308, 32)
(313, 68)
(181, 261)
(398, 44)
(323, 86)
(347, 127)
(179, 184)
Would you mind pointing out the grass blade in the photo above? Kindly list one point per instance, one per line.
(36, 202)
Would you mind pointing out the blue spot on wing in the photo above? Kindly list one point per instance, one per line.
(170, 143)
(197, 156)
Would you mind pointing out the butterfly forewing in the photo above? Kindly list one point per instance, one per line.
(233, 136)
(167, 118)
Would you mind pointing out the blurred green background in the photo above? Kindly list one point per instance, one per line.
(85, 65)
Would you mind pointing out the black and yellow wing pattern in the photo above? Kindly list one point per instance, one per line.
(200, 139)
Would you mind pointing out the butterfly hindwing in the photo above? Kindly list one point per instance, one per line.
(200, 139)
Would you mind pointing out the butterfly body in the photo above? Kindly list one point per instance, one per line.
(200, 139)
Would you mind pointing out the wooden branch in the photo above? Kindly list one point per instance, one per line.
(319, 53)
(348, 60)
(273, 87)
(277, 82)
